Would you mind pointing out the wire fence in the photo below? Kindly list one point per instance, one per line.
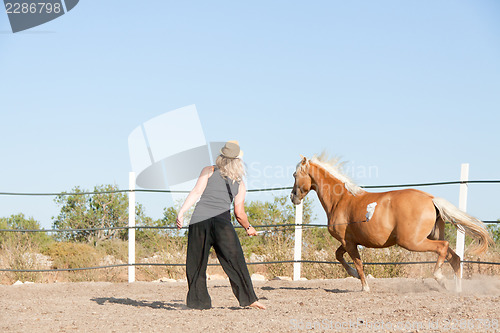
(248, 263)
(256, 226)
(457, 182)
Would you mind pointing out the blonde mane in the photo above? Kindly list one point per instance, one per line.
(334, 167)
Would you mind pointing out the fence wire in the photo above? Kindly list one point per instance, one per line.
(250, 190)
(256, 226)
(248, 263)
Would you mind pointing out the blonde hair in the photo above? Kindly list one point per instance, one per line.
(232, 168)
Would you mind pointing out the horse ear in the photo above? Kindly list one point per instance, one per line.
(304, 159)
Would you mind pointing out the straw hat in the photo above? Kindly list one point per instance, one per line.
(231, 150)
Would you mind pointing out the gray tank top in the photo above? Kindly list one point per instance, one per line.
(215, 200)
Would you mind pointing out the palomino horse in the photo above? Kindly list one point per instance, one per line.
(409, 218)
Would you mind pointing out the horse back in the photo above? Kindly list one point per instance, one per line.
(396, 214)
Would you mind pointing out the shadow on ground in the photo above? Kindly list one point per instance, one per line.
(147, 304)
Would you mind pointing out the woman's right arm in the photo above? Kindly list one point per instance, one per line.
(195, 194)
(239, 211)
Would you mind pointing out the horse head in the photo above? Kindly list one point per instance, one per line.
(303, 181)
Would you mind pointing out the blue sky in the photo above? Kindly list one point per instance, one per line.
(406, 89)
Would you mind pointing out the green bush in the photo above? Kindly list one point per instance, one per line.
(494, 229)
(114, 247)
(74, 255)
(19, 249)
(20, 222)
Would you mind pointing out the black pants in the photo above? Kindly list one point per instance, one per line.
(219, 233)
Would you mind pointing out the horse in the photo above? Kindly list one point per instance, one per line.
(410, 218)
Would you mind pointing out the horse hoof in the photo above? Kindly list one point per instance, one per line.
(441, 283)
(353, 273)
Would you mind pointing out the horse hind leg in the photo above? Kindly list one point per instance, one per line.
(339, 254)
(441, 247)
(352, 249)
(454, 261)
(451, 256)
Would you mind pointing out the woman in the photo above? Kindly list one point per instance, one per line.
(211, 226)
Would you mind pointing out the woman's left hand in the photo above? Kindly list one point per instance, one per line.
(180, 221)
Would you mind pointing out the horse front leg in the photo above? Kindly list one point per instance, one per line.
(339, 254)
(352, 249)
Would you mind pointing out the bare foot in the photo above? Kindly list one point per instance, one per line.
(258, 305)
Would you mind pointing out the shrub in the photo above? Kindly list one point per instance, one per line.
(494, 229)
(19, 249)
(114, 247)
(20, 222)
(74, 255)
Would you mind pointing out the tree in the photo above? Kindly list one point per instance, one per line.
(169, 220)
(20, 222)
(494, 229)
(279, 211)
(104, 209)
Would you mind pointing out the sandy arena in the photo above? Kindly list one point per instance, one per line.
(393, 305)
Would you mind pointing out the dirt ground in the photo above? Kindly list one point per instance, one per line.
(393, 305)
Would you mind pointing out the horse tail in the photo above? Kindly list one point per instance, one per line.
(461, 220)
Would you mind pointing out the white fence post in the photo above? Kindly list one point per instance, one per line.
(131, 230)
(462, 205)
(297, 252)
